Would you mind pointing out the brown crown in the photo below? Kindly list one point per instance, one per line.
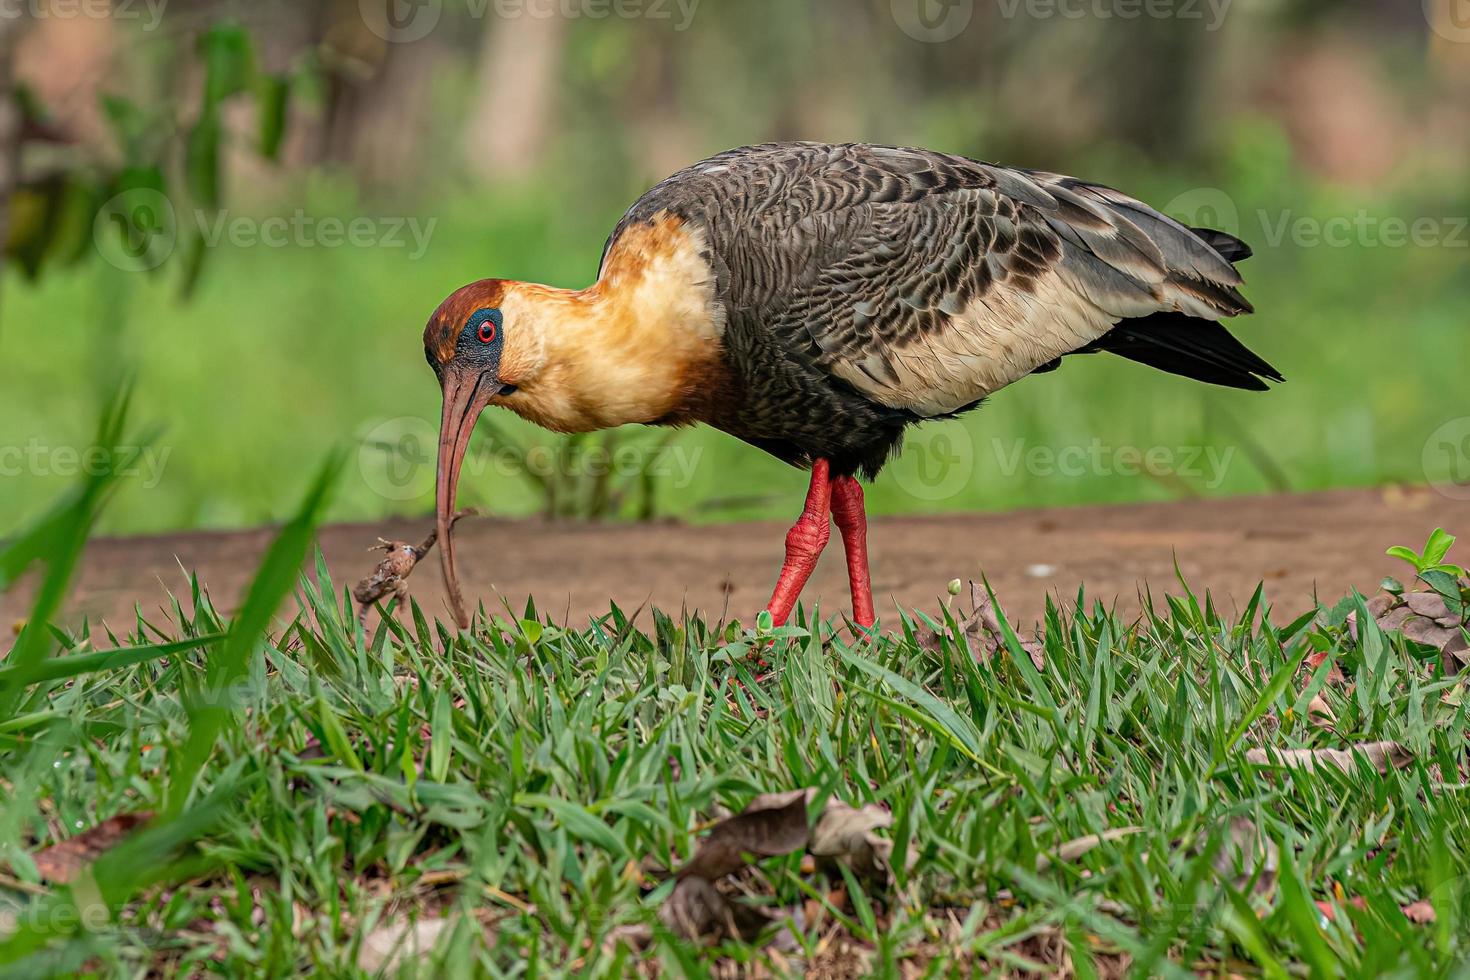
(449, 319)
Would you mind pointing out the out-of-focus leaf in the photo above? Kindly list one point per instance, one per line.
(228, 62)
(695, 909)
(1075, 848)
(1383, 756)
(201, 160)
(1248, 854)
(272, 98)
(63, 861)
(58, 539)
(58, 668)
(389, 946)
(209, 711)
(771, 825)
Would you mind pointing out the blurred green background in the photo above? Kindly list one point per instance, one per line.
(1333, 137)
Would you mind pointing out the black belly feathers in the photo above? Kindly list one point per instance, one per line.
(846, 273)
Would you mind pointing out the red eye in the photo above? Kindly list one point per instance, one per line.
(487, 332)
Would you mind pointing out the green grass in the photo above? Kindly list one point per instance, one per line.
(286, 352)
(535, 783)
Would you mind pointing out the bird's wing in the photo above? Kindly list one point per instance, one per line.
(927, 281)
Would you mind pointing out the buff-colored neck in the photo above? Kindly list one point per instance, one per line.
(633, 347)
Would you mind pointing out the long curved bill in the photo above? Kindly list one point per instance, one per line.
(466, 393)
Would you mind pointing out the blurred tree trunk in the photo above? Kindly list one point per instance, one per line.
(1158, 67)
(514, 112)
(660, 137)
(377, 98)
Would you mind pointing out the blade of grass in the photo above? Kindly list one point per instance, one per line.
(273, 582)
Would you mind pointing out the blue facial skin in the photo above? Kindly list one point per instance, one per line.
(478, 355)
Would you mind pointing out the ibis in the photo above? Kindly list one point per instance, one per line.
(815, 300)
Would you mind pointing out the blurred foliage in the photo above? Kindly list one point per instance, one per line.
(59, 216)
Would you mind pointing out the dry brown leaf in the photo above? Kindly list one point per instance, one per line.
(392, 944)
(1423, 617)
(1382, 755)
(695, 909)
(1248, 853)
(1420, 912)
(1075, 848)
(1318, 713)
(982, 628)
(773, 824)
(776, 823)
(846, 834)
(63, 861)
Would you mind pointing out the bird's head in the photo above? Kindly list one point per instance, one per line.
(636, 346)
(484, 342)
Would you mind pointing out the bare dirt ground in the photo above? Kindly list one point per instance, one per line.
(1323, 542)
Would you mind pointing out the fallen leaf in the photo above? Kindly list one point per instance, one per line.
(1329, 909)
(1423, 617)
(63, 861)
(1318, 713)
(982, 628)
(1382, 755)
(1248, 853)
(1420, 912)
(846, 834)
(390, 945)
(1075, 848)
(773, 824)
(695, 909)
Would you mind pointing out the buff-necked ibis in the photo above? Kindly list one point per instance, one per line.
(814, 300)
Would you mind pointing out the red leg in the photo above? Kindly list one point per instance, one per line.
(847, 513)
(804, 544)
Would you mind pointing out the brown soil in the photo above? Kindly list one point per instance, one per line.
(1323, 543)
